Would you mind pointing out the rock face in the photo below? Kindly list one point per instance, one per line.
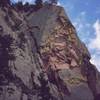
(42, 58)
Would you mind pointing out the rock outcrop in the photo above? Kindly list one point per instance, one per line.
(42, 58)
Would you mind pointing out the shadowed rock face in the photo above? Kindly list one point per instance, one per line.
(4, 2)
(97, 97)
(42, 58)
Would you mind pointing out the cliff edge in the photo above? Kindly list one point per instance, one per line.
(42, 58)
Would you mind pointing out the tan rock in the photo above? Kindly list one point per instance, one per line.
(74, 63)
(62, 66)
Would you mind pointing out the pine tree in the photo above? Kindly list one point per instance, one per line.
(39, 3)
(19, 5)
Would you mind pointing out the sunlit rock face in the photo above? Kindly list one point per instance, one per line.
(42, 58)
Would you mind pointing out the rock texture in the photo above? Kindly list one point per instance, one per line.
(42, 58)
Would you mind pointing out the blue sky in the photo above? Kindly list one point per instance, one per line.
(85, 16)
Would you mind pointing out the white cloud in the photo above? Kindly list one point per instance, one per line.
(79, 21)
(67, 5)
(59, 3)
(96, 61)
(84, 30)
(95, 43)
(82, 26)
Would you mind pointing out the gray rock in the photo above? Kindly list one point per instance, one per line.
(42, 58)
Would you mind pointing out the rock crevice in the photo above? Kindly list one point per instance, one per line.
(42, 58)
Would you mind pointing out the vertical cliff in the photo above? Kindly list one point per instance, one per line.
(42, 58)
